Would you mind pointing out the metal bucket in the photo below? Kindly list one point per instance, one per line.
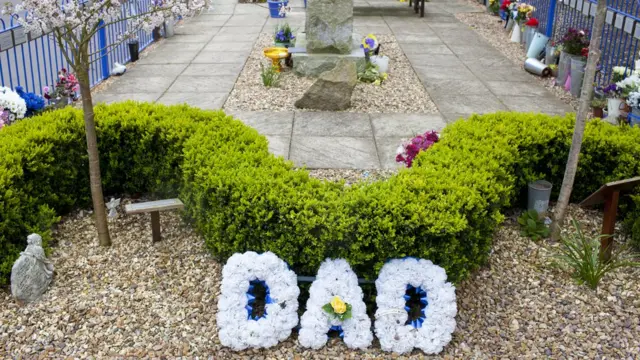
(536, 67)
(550, 57)
(529, 32)
(577, 75)
(539, 195)
(168, 28)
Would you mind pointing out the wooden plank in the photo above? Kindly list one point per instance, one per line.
(155, 226)
(160, 205)
(600, 196)
(19, 36)
(609, 224)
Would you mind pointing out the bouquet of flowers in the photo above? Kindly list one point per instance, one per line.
(283, 34)
(369, 43)
(574, 41)
(612, 91)
(533, 22)
(494, 6)
(66, 87)
(630, 84)
(505, 5)
(618, 73)
(407, 152)
(12, 106)
(523, 11)
(35, 103)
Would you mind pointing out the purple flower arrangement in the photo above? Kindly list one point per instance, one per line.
(283, 34)
(612, 91)
(575, 41)
(408, 151)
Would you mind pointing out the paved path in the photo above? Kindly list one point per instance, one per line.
(461, 72)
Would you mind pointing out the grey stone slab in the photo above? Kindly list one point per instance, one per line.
(512, 88)
(405, 125)
(214, 70)
(267, 122)
(502, 73)
(418, 39)
(462, 39)
(456, 87)
(172, 53)
(331, 124)
(210, 17)
(166, 70)
(231, 38)
(246, 9)
(426, 73)
(369, 21)
(318, 152)
(112, 97)
(453, 117)
(424, 30)
(279, 145)
(543, 104)
(133, 85)
(222, 9)
(420, 49)
(223, 2)
(197, 39)
(467, 104)
(387, 150)
(229, 46)
(474, 51)
(246, 20)
(241, 30)
(489, 62)
(204, 84)
(208, 101)
(218, 57)
(369, 29)
(197, 28)
(436, 61)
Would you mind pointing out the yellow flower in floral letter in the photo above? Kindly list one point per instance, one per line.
(338, 305)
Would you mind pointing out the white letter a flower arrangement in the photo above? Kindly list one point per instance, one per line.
(258, 305)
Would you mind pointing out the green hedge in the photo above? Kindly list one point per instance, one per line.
(239, 197)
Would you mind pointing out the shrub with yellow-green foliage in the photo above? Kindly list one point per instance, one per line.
(239, 197)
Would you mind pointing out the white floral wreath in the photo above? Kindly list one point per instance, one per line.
(237, 327)
(335, 279)
(431, 331)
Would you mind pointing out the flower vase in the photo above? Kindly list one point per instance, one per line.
(614, 106)
(529, 32)
(60, 102)
(577, 75)
(550, 57)
(564, 67)
(536, 46)
(567, 83)
(598, 112)
(509, 24)
(516, 34)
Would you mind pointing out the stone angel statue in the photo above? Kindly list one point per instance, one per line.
(32, 272)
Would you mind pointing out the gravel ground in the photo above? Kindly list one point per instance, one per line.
(140, 300)
(401, 93)
(491, 28)
(350, 176)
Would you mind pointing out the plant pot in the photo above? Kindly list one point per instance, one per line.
(598, 112)
(634, 118)
(538, 43)
(286, 44)
(168, 28)
(564, 67)
(539, 195)
(550, 57)
(577, 75)
(554, 73)
(382, 62)
(528, 34)
(614, 106)
(274, 8)
(516, 34)
(134, 51)
(60, 102)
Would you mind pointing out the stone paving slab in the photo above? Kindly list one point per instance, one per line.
(332, 124)
(317, 152)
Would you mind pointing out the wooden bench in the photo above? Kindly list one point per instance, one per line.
(154, 207)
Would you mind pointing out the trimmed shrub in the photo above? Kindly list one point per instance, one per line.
(239, 197)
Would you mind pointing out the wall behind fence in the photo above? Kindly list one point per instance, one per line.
(34, 63)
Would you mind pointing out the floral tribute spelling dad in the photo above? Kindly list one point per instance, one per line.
(258, 305)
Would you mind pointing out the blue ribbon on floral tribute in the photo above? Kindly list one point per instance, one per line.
(423, 305)
(252, 299)
(339, 329)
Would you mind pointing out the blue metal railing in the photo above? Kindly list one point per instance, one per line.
(620, 35)
(35, 62)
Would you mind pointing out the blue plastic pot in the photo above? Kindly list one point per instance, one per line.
(634, 120)
(274, 8)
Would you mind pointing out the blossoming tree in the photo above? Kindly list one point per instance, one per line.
(73, 24)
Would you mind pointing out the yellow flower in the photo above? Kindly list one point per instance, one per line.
(338, 305)
(385, 76)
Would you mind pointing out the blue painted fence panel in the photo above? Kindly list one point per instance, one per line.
(35, 63)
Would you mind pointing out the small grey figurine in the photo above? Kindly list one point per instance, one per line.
(32, 272)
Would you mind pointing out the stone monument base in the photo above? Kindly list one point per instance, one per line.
(312, 65)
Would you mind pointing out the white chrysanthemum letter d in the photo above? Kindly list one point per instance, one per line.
(416, 306)
(335, 303)
(258, 304)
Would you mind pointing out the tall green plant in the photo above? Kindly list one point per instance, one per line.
(270, 76)
(581, 254)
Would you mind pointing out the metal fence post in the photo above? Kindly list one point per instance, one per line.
(104, 54)
(551, 18)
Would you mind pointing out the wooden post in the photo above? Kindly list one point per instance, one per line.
(155, 226)
(609, 224)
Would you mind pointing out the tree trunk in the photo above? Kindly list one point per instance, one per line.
(94, 157)
(581, 119)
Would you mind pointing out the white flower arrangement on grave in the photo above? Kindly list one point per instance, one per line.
(240, 323)
(416, 306)
(335, 303)
(12, 102)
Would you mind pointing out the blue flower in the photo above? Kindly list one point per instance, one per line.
(33, 101)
